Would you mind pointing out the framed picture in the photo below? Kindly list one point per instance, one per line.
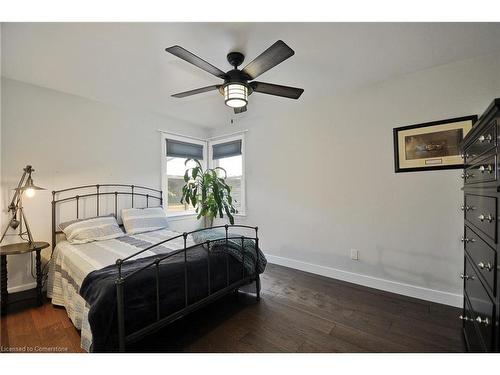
(432, 145)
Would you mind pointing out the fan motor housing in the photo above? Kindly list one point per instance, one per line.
(235, 76)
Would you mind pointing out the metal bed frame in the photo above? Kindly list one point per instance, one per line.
(148, 193)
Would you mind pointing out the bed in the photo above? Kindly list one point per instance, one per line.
(118, 291)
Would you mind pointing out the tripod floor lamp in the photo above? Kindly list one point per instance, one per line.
(21, 228)
(27, 188)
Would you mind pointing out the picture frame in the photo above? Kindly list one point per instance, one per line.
(432, 145)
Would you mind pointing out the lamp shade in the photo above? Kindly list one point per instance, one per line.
(30, 185)
(29, 188)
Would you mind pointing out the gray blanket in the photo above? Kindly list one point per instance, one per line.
(99, 290)
(218, 243)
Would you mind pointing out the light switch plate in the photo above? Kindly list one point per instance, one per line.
(354, 254)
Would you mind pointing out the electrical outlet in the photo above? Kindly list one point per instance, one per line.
(354, 254)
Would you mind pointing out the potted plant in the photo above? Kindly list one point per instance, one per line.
(208, 193)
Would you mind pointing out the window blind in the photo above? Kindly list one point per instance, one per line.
(180, 149)
(227, 149)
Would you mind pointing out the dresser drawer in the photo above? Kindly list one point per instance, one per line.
(485, 141)
(474, 341)
(483, 309)
(483, 256)
(481, 211)
(483, 170)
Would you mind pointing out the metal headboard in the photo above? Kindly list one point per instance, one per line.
(120, 189)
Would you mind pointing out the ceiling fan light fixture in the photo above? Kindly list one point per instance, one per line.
(236, 95)
(237, 86)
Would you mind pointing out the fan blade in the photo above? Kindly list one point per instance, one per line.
(268, 59)
(195, 60)
(196, 91)
(278, 90)
(240, 110)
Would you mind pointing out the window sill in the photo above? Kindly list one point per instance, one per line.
(188, 215)
(181, 215)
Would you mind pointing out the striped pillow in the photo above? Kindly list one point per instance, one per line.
(91, 229)
(140, 220)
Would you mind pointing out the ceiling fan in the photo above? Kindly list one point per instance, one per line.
(236, 87)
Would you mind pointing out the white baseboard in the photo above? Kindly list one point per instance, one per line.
(409, 290)
(20, 288)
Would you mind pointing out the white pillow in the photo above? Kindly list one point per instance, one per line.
(140, 220)
(91, 229)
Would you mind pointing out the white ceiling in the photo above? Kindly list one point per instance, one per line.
(125, 64)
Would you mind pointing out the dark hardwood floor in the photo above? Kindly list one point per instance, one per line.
(298, 312)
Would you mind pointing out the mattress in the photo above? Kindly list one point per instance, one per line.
(71, 263)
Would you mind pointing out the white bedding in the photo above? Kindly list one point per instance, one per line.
(70, 265)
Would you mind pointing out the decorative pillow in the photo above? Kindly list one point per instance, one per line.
(92, 229)
(140, 220)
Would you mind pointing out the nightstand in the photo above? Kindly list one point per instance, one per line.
(15, 249)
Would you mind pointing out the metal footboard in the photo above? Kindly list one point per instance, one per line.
(124, 338)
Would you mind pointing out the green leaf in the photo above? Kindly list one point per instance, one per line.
(198, 163)
(228, 213)
(222, 169)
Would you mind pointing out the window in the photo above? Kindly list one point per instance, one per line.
(224, 152)
(176, 150)
(175, 181)
(228, 153)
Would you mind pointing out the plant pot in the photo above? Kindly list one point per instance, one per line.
(208, 222)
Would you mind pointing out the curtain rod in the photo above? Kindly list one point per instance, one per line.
(203, 139)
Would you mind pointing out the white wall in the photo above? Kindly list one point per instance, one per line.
(73, 141)
(321, 181)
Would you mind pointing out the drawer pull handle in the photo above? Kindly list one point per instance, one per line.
(466, 208)
(466, 175)
(484, 321)
(483, 266)
(467, 240)
(464, 156)
(488, 138)
(464, 318)
(488, 218)
(487, 168)
(466, 277)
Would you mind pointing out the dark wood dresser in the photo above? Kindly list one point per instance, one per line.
(481, 153)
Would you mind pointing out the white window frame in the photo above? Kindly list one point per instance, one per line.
(207, 163)
(164, 177)
(229, 138)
